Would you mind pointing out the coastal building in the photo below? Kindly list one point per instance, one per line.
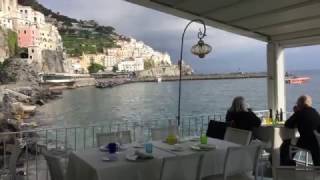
(28, 16)
(50, 38)
(8, 13)
(28, 36)
(131, 65)
(131, 48)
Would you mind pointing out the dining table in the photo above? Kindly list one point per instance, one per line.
(91, 164)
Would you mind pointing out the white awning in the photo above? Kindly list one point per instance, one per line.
(291, 23)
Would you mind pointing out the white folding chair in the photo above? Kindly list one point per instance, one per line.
(295, 173)
(55, 166)
(182, 167)
(240, 163)
(238, 136)
(124, 137)
(106, 138)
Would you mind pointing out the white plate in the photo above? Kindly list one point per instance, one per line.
(136, 145)
(107, 159)
(206, 146)
(132, 157)
(195, 139)
(203, 147)
(177, 148)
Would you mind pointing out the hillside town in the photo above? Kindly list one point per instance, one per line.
(37, 33)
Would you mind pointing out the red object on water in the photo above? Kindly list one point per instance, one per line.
(297, 80)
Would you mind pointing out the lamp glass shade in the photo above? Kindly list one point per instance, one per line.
(201, 49)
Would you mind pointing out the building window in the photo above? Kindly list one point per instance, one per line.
(32, 50)
(30, 57)
(25, 32)
(26, 11)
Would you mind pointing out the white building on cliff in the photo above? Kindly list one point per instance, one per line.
(131, 65)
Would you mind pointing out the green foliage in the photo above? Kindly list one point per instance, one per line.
(12, 39)
(149, 64)
(86, 42)
(95, 67)
(39, 7)
(115, 69)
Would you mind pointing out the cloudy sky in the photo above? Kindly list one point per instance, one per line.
(163, 32)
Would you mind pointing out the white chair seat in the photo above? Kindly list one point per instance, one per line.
(245, 176)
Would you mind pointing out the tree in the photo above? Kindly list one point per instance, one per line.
(115, 68)
(149, 64)
(95, 67)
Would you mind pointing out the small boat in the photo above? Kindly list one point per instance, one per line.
(297, 80)
(159, 79)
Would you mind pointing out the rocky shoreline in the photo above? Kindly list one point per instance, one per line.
(19, 104)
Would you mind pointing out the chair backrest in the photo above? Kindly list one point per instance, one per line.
(295, 173)
(238, 136)
(124, 137)
(106, 138)
(241, 160)
(182, 167)
(216, 129)
(317, 135)
(15, 152)
(55, 166)
(159, 133)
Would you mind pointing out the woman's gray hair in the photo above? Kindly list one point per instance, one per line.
(238, 105)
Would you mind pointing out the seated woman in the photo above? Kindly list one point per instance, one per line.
(239, 116)
(306, 119)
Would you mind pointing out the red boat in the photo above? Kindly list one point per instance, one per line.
(297, 80)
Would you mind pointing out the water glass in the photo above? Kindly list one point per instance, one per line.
(112, 147)
(204, 139)
(148, 147)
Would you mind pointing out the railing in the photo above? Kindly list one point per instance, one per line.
(32, 164)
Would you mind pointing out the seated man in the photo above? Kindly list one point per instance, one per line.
(306, 119)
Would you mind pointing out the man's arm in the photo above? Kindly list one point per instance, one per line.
(292, 121)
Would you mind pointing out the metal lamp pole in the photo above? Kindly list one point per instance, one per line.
(201, 49)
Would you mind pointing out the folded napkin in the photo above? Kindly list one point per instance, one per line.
(143, 155)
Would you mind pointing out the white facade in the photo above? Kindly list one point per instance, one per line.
(27, 16)
(8, 12)
(50, 38)
(131, 65)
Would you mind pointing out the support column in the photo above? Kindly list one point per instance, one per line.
(276, 77)
(276, 95)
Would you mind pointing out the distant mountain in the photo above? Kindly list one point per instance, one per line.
(39, 7)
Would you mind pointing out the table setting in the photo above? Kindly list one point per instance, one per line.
(144, 160)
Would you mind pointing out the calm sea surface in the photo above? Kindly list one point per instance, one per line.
(147, 101)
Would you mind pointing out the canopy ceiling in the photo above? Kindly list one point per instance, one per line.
(289, 22)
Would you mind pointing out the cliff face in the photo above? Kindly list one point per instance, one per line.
(18, 70)
(52, 62)
(4, 49)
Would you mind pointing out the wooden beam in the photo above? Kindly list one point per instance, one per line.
(298, 39)
(211, 22)
(286, 23)
(206, 13)
(262, 14)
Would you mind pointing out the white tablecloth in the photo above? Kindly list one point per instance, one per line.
(89, 165)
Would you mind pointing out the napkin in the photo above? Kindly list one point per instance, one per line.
(143, 155)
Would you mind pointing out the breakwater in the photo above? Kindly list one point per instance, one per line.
(203, 77)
